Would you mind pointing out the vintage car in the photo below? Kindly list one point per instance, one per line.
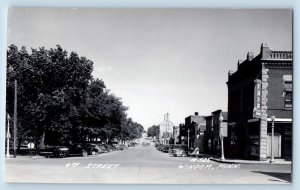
(120, 146)
(93, 149)
(180, 150)
(77, 149)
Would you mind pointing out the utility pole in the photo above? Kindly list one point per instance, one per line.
(7, 137)
(15, 120)
(167, 125)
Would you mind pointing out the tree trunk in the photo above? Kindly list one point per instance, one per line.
(36, 146)
(42, 144)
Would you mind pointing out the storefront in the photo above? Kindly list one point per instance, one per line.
(282, 145)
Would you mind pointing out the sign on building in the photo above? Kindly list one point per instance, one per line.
(257, 99)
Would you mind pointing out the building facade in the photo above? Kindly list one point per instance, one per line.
(176, 134)
(212, 140)
(166, 130)
(192, 131)
(259, 89)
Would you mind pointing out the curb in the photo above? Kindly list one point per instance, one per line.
(249, 162)
(25, 157)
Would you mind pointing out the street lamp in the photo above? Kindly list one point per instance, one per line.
(7, 137)
(272, 139)
(221, 137)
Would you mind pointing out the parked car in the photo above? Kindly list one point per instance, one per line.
(179, 152)
(120, 146)
(173, 147)
(132, 144)
(47, 151)
(110, 147)
(93, 149)
(165, 148)
(103, 148)
(76, 149)
(160, 147)
(145, 143)
(125, 146)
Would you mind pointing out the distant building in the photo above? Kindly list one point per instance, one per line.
(192, 131)
(176, 134)
(166, 129)
(212, 141)
(260, 88)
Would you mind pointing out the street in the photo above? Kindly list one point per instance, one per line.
(141, 165)
(149, 95)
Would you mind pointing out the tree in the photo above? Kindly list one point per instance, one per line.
(68, 77)
(105, 112)
(51, 87)
(59, 102)
(153, 131)
(131, 130)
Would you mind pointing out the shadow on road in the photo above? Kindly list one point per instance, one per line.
(280, 176)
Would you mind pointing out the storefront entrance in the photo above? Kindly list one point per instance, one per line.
(276, 145)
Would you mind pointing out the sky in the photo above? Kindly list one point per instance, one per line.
(158, 61)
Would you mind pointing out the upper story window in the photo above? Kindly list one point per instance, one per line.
(288, 99)
(288, 91)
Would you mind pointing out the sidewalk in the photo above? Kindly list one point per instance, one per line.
(236, 161)
(23, 157)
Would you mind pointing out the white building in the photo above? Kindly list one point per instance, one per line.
(166, 129)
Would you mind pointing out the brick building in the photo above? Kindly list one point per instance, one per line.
(193, 130)
(212, 141)
(260, 88)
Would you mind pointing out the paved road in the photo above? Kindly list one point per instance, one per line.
(138, 165)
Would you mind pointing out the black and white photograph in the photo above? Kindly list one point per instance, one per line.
(149, 96)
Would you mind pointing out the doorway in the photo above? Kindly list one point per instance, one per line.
(276, 145)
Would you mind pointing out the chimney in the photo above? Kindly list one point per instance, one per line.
(196, 113)
(250, 56)
(265, 51)
(240, 61)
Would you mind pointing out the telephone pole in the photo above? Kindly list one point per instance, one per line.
(15, 120)
(7, 137)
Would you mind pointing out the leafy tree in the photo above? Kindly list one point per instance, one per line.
(153, 131)
(51, 86)
(59, 102)
(105, 112)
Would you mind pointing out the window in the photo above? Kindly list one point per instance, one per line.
(288, 91)
(288, 86)
(288, 99)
